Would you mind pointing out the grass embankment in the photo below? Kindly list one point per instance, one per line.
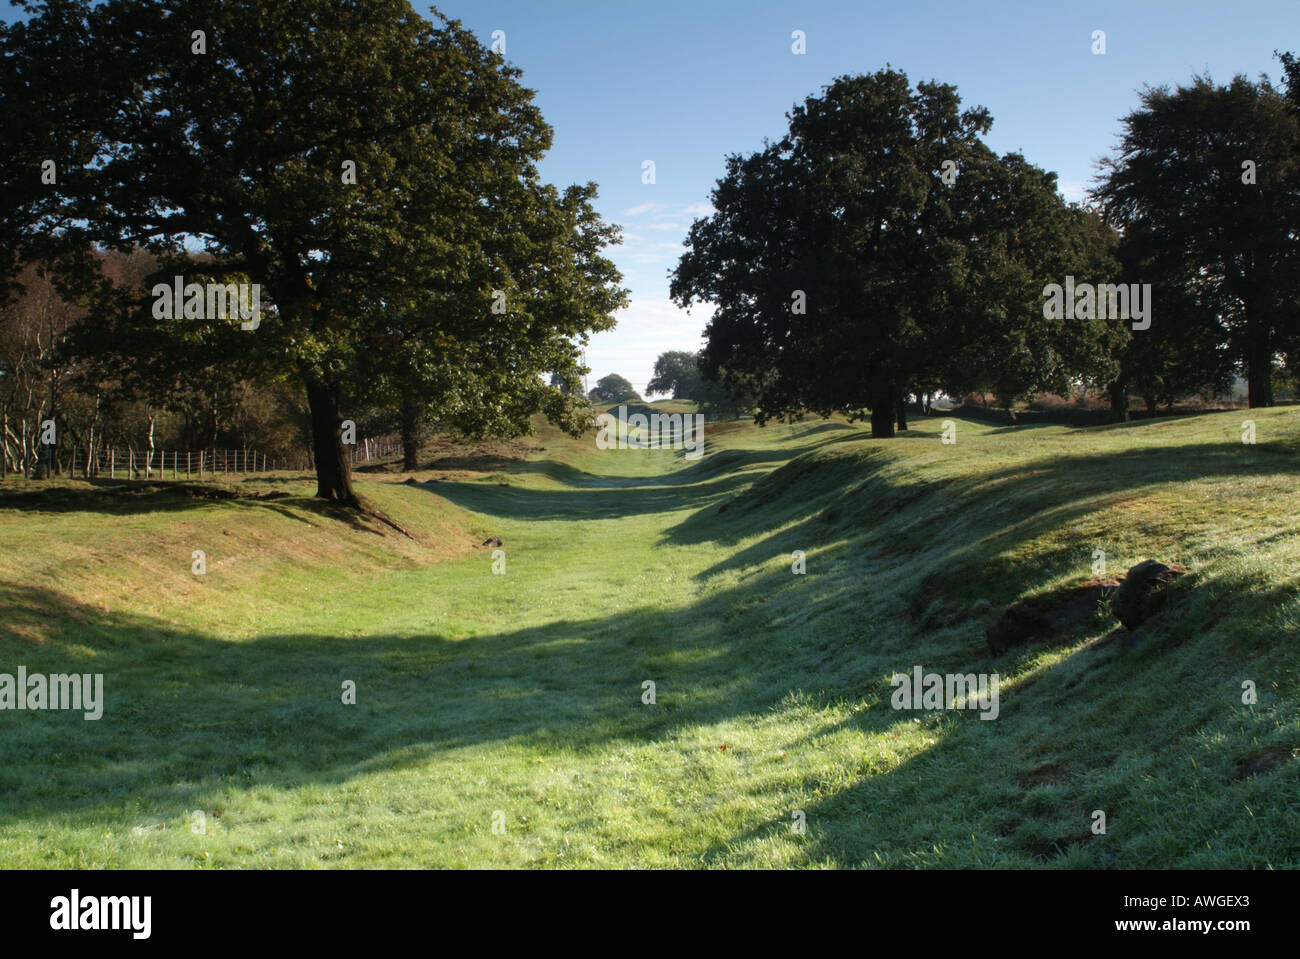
(521, 694)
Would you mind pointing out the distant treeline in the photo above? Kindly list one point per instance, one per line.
(881, 249)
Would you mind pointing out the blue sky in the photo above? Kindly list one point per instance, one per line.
(686, 83)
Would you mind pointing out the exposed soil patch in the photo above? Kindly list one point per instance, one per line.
(1044, 775)
(1046, 616)
(1262, 762)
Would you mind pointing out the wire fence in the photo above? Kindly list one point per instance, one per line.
(133, 464)
(375, 448)
(170, 464)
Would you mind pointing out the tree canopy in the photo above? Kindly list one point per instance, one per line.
(373, 172)
(677, 373)
(879, 247)
(612, 389)
(1205, 186)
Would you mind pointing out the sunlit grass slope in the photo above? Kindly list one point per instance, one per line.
(516, 698)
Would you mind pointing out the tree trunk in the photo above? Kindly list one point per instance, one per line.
(55, 467)
(92, 461)
(333, 468)
(40, 451)
(900, 411)
(1259, 372)
(882, 412)
(1119, 402)
(410, 436)
(211, 442)
(148, 465)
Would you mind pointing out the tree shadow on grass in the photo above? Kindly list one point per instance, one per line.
(585, 503)
(1144, 729)
(189, 716)
(131, 499)
(694, 485)
(958, 521)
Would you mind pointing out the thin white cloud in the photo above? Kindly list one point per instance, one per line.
(1072, 190)
(637, 249)
(676, 212)
(699, 209)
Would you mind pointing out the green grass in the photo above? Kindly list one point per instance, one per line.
(521, 693)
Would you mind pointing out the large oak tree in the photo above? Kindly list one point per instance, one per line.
(374, 172)
(1205, 186)
(879, 247)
